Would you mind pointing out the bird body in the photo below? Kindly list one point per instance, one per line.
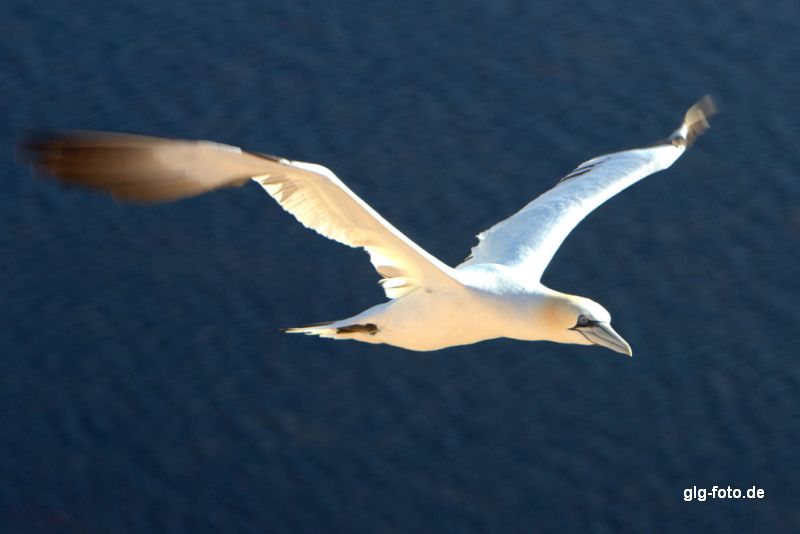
(495, 293)
(488, 304)
(431, 320)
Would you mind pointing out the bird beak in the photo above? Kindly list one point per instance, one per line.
(602, 334)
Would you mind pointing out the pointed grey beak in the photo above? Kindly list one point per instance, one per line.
(602, 334)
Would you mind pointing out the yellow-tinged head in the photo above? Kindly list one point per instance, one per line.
(573, 319)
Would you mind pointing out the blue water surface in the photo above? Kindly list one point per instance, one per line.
(145, 386)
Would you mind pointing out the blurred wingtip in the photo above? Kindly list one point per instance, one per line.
(35, 148)
(31, 143)
(701, 110)
(696, 119)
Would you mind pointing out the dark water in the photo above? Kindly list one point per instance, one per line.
(144, 386)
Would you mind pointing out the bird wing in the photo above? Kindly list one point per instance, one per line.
(528, 239)
(145, 169)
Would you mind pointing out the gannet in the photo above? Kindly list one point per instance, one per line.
(495, 293)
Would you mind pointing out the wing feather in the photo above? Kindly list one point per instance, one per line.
(146, 169)
(529, 239)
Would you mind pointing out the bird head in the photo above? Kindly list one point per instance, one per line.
(583, 321)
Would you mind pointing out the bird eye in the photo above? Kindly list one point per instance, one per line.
(583, 320)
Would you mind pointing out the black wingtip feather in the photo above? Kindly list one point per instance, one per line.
(33, 144)
(695, 122)
(696, 118)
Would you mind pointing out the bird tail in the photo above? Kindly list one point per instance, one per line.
(334, 330)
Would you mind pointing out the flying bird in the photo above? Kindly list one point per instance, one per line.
(495, 293)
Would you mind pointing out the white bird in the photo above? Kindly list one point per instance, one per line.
(495, 293)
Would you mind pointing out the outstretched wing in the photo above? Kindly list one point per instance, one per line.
(528, 239)
(149, 169)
